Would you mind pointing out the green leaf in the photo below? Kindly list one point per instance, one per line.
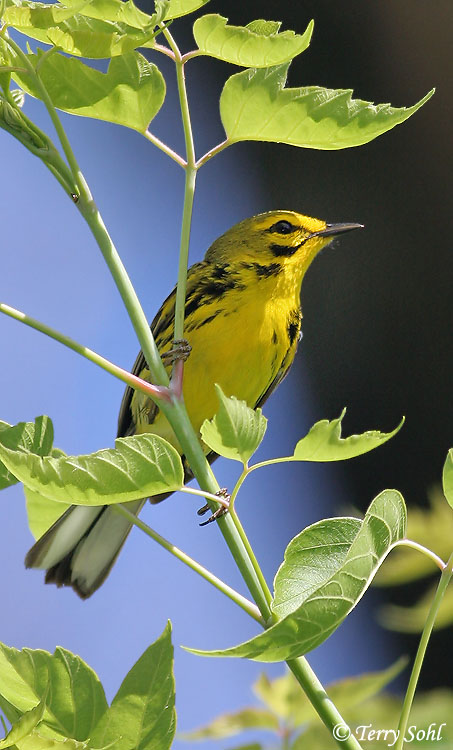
(227, 725)
(138, 466)
(251, 46)
(130, 93)
(180, 8)
(289, 702)
(325, 607)
(324, 442)
(116, 11)
(311, 559)
(73, 32)
(42, 512)
(29, 437)
(35, 741)
(25, 725)
(236, 431)
(433, 528)
(142, 713)
(76, 699)
(255, 106)
(447, 478)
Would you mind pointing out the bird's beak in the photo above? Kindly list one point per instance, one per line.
(332, 229)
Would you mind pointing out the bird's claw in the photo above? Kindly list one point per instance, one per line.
(221, 510)
(178, 353)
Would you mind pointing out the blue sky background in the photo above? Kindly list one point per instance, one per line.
(52, 269)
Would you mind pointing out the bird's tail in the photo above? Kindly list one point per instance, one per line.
(81, 546)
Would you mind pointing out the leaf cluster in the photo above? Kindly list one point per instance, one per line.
(56, 701)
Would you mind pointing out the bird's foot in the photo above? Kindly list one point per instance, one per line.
(223, 493)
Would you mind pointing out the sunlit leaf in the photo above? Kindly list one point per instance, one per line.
(34, 437)
(25, 725)
(323, 609)
(130, 93)
(73, 32)
(76, 699)
(117, 11)
(36, 741)
(236, 431)
(143, 710)
(183, 7)
(256, 106)
(324, 442)
(250, 46)
(138, 466)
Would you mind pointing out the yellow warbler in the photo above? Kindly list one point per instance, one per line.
(242, 320)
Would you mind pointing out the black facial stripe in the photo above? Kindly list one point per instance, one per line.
(285, 250)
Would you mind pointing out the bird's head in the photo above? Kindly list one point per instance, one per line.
(283, 239)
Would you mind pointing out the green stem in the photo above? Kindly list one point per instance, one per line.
(421, 651)
(325, 708)
(166, 149)
(213, 152)
(189, 192)
(66, 146)
(235, 596)
(420, 548)
(127, 377)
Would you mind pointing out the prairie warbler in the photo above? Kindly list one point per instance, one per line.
(242, 320)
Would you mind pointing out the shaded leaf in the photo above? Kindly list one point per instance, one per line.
(236, 431)
(229, 724)
(255, 106)
(251, 46)
(447, 477)
(76, 699)
(142, 713)
(324, 608)
(311, 559)
(138, 466)
(73, 32)
(433, 528)
(130, 93)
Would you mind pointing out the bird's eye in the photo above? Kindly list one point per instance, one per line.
(282, 227)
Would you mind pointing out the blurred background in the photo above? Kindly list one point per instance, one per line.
(377, 337)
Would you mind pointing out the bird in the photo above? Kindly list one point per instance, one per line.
(243, 323)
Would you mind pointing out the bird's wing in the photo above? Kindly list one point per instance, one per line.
(162, 329)
(281, 375)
